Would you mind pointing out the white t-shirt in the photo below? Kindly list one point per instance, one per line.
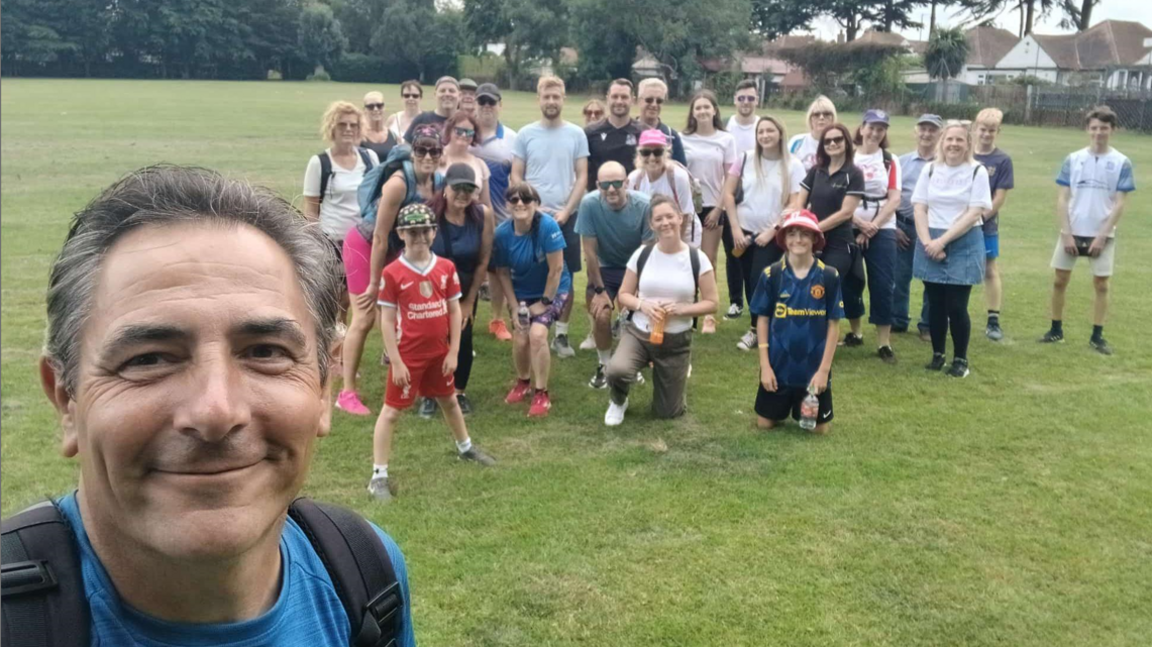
(1094, 181)
(708, 158)
(745, 136)
(764, 197)
(339, 209)
(638, 181)
(803, 147)
(667, 278)
(877, 182)
(950, 190)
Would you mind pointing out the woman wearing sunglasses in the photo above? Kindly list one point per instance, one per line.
(821, 114)
(377, 137)
(832, 190)
(369, 246)
(593, 112)
(412, 94)
(528, 260)
(658, 174)
(464, 231)
(459, 134)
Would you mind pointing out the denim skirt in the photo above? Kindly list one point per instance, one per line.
(963, 262)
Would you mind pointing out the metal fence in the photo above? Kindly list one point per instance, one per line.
(1065, 106)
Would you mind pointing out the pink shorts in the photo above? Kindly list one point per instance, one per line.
(357, 261)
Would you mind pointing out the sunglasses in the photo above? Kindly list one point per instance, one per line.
(517, 200)
(821, 115)
(593, 114)
(466, 189)
(465, 132)
(657, 100)
(610, 184)
(411, 96)
(834, 141)
(374, 106)
(746, 99)
(426, 151)
(348, 126)
(486, 101)
(655, 152)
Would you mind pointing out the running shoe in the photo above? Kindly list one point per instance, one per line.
(709, 326)
(639, 377)
(499, 330)
(1052, 337)
(518, 392)
(748, 341)
(994, 332)
(541, 403)
(887, 355)
(589, 342)
(959, 368)
(925, 335)
(349, 402)
(485, 293)
(734, 311)
(378, 488)
(477, 455)
(937, 363)
(1100, 346)
(852, 340)
(615, 414)
(428, 408)
(599, 380)
(465, 403)
(561, 348)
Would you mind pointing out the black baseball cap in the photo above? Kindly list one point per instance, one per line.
(489, 90)
(460, 173)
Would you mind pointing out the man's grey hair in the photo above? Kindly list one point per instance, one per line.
(166, 195)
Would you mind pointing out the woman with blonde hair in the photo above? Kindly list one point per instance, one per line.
(770, 178)
(593, 112)
(377, 137)
(821, 114)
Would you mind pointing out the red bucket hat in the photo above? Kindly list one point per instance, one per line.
(800, 218)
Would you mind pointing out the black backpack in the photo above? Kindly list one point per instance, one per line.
(693, 258)
(326, 172)
(43, 589)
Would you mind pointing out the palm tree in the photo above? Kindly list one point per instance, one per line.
(946, 54)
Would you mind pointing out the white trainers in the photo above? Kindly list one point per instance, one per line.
(748, 341)
(589, 342)
(734, 312)
(615, 414)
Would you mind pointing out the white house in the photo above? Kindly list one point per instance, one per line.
(1113, 53)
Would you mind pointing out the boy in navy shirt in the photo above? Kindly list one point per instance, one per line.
(1001, 180)
(798, 305)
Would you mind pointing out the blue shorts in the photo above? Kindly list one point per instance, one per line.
(992, 246)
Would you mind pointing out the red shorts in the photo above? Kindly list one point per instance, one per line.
(425, 378)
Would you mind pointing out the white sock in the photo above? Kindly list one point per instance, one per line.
(561, 328)
(604, 356)
(379, 471)
(463, 445)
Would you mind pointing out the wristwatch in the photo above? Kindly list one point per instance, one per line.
(546, 301)
(599, 289)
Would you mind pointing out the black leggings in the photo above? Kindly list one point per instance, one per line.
(464, 357)
(752, 265)
(948, 306)
(733, 269)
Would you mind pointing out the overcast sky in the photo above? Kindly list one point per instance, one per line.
(1138, 10)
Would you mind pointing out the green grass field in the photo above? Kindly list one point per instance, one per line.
(1011, 508)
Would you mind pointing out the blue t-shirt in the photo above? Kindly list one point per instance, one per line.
(1000, 176)
(461, 244)
(549, 156)
(496, 151)
(800, 310)
(911, 165)
(617, 233)
(527, 256)
(307, 613)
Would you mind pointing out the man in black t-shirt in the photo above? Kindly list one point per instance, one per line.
(447, 101)
(615, 138)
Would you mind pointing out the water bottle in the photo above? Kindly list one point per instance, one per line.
(737, 253)
(656, 337)
(523, 317)
(809, 409)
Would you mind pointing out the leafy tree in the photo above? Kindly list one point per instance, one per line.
(414, 33)
(946, 54)
(1077, 15)
(1030, 10)
(772, 18)
(871, 66)
(320, 37)
(527, 29)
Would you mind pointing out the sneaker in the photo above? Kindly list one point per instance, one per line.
(1100, 346)
(599, 380)
(734, 311)
(518, 392)
(465, 403)
(428, 408)
(499, 330)
(378, 488)
(561, 348)
(959, 368)
(485, 293)
(639, 377)
(887, 355)
(1052, 337)
(709, 326)
(925, 335)
(541, 403)
(615, 414)
(937, 363)
(899, 330)
(852, 340)
(349, 402)
(748, 341)
(994, 332)
(476, 454)
(589, 342)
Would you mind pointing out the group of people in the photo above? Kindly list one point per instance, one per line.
(514, 215)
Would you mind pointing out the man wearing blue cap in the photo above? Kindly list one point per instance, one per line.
(927, 134)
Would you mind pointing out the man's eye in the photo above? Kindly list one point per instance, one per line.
(145, 360)
(267, 351)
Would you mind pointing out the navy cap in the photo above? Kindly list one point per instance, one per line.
(875, 116)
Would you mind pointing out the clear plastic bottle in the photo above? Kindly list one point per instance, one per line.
(656, 337)
(809, 410)
(523, 317)
(737, 252)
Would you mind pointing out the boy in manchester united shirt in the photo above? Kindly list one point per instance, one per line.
(420, 310)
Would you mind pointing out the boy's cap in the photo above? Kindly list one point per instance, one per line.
(801, 218)
(415, 215)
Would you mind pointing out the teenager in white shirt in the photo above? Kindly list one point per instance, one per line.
(742, 125)
(1094, 186)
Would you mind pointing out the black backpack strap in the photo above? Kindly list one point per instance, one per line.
(360, 569)
(325, 173)
(365, 157)
(694, 260)
(641, 262)
(42, 585)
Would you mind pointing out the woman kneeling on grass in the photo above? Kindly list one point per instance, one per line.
(660, 288)
(798, 308)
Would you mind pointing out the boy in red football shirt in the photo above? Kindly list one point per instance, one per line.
(420, 311)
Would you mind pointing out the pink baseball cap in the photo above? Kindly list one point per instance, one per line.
(800, 218)
(653, 137)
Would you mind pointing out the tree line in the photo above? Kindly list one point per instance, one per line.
(392, 40)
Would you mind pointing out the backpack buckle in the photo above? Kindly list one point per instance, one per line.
(19, 578)
(380, 612)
